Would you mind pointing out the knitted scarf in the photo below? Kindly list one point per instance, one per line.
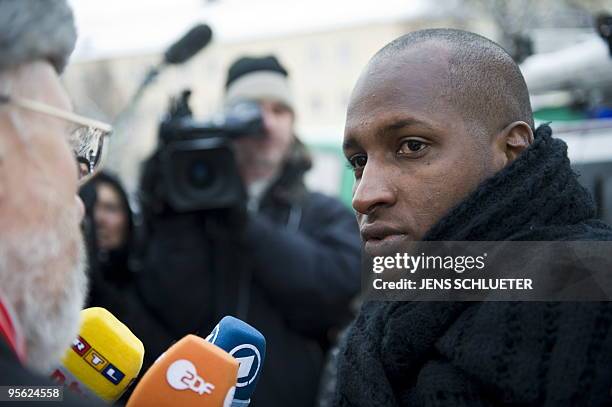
(482, 354)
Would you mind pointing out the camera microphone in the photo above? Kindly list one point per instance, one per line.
(189, 45)
(182, 50)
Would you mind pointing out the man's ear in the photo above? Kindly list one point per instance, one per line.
(514, 139)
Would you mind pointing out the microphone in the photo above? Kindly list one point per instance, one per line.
(189, 44)
(192, 372)
(248, 346)
(179, 52)
(104, 359)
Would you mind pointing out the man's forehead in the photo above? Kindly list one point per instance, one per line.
(413, 84)
(419, 69)
(48, 87)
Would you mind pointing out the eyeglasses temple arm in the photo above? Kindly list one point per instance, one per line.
(52, 111)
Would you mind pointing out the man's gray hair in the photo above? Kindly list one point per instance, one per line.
(35, 29)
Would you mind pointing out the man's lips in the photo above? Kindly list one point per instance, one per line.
(379, 232)
(380, 238)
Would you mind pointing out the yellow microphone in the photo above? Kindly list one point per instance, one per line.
(104, 359)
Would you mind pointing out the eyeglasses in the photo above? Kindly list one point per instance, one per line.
(88, 139)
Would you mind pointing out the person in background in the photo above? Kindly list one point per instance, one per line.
(42, 256)
(291, 270)
(112, 221)
(113, 252)
(112, 244)
(112, 214)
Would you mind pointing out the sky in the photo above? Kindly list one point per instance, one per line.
(122, 27)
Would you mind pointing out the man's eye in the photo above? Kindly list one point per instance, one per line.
(412, 146)
(279, 109)
(357, 161)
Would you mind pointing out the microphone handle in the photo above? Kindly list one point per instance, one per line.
(149, 78)
(122, 119)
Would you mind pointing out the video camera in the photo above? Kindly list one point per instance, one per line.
(196, 160)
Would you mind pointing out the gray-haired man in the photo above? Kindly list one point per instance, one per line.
(42, 279)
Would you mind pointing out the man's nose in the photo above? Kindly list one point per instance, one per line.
(268, 120)
(373, 190)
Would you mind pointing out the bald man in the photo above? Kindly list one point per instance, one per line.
(440, 135)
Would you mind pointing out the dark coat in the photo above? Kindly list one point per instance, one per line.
(291, 272)
(12, 373)
(491, 353)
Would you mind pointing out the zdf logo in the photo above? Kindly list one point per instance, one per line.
(182, 375)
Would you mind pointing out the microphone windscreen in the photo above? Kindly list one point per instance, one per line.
(248, 346)
(104, 359)
(189, 45)
(192, 372)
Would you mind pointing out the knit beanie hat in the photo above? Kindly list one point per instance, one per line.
(253, 78)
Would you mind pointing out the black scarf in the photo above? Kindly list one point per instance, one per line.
(476, 354)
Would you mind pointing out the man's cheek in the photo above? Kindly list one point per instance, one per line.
(427, 201)
(451, 192)
(80, 208)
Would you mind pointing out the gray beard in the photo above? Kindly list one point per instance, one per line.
(47, 317)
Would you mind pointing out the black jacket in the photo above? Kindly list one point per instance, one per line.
(491, 353)
(291, 272)
(12, 373)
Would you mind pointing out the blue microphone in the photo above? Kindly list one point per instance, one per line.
(248, 346)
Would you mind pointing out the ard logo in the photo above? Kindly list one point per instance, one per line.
(249, 359)
(97, 361)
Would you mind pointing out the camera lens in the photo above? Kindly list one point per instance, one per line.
(200, 174)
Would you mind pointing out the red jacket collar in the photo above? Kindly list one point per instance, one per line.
(11, 333)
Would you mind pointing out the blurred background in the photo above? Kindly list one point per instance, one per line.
(563, 47)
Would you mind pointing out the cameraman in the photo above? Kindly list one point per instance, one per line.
(289, 265)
